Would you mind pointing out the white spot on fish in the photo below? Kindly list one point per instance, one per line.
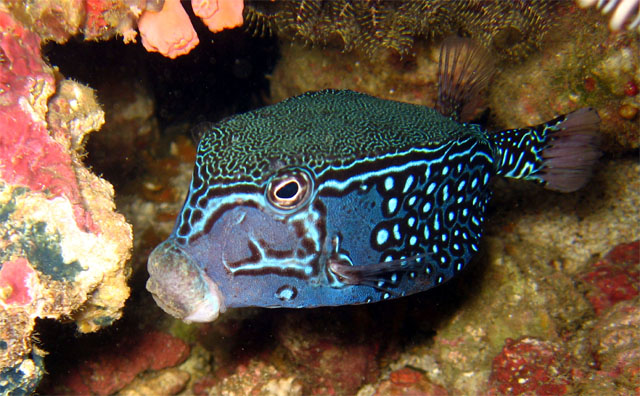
(382, 236)
(392, 205)
(388, 183)
(407, 184)
(396, 232)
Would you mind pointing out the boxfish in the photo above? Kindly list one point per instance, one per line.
(336, 197)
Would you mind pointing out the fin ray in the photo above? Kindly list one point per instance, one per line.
(464, 70)
(370, 275)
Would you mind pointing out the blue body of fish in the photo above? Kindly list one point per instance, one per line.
(337, 197)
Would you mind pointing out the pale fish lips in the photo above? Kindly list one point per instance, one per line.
(180, 287)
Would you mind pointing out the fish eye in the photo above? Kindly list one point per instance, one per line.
(290, 188)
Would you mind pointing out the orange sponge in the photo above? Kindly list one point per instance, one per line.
(219, 14)
(168, 31)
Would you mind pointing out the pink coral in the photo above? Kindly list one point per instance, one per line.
(16, 282)
(168, 31)
(219, 14)
(29, 156)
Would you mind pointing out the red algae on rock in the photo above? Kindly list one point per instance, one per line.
(116, 366)
(530, 366)
(614, 278)
(407, 381)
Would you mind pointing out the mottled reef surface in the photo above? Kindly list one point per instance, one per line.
(550, 306)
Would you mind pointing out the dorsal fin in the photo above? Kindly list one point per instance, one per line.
(464, 70)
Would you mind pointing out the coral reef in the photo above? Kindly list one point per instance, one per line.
(63, 248)
(615, 343)
(256, 378)
(531, 366)
(550, 305)
(330, 361)
(23, 378)
(623, 12)
(164, 25)
(615, 278)
(59, 20)
(596, 68)
(108, 369)
(514, 28)
(166, 382)
(408, 381)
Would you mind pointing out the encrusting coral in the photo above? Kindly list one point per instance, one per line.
(63, 248)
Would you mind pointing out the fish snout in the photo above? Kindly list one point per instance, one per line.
(180, 287)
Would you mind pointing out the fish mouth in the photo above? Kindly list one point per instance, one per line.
(180, 287)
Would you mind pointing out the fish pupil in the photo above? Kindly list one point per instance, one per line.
(288, 191)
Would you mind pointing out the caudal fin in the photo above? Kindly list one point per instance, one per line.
(560, 153)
